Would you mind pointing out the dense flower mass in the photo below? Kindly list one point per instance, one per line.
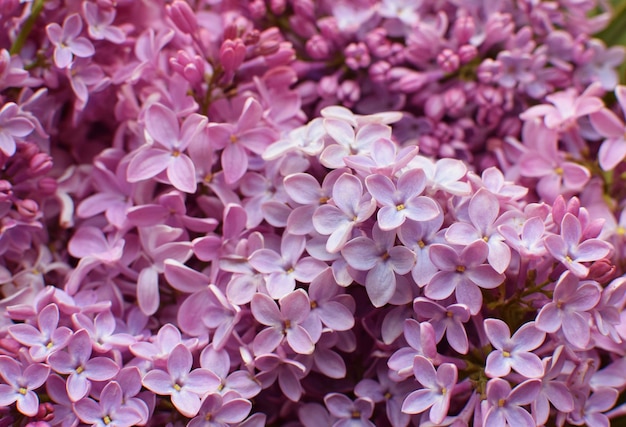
(311, 213)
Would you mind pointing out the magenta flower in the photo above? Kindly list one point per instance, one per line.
(20, 385)
(284, 269)
(219, 411)
(448, 321)
(46, 338)
(513, 352)
(184, 385)
(66, 41)
(437, 391)
(504, 404)
(109, 411)
(166, 153)
(349, 413)
(350, 207)
(462, 273)
(12, 126)
(421, 340)
(570, 251)
(402, 201)
(249, 134)
(606, 123)
(484, 213)
(102, 331)
(81, 367)
(567, 106)
(569, 309)
(282, 324)
(99, 22)
(382, 261)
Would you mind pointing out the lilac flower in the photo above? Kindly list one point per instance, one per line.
(102, 331)
(328, 305)
(483, 211)
(606, 123)
(12, 126)
(543, 160)
(569, 309)
(504, 404)
(437, 391)
(286, 268)
(20, 384)
(350, 207)
(184, 385)
(99, 22)
(552, 390)
(403, 202)
(382, 260)
(349, 413)
(419, 236)
(283, 323)
(160, 347)
(167, 152)
(241, 382)
(513, 352)
(66, 41)
(80, 366)
(248, 134)
(45, 339)
(349, 142)
(589, 409)
(570, 251)
(109, 411)
(529, 243)
(447, 320)
(218, 411)
(462, 273)
(287, 371)
(159, 245)
(421, 340)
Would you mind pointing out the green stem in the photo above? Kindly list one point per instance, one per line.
(18, 44)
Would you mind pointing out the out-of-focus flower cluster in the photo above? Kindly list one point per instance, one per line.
(311, 213)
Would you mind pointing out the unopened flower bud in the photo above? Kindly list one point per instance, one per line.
(464, 28)
(434, 107)
(305, 9)
(357, 56)
(349, 92)
(192, 69)
(278, 6)
(27, 208)
(47, 185)
(317, 47)
(232, 54)
(448, 61)
(405, 80)
(602, 271)
(454, 101)
(257, 9)
(467, 52)
(327, 86)
(378, 71)
(40, 164)
(183, 17)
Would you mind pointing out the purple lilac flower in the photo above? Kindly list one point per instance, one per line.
(20, 384)
(445, 320)
(282, 324)
(513, 352)
(462, 273)
(66, 41)
(81, 367)
(437, 391)
(569, 309)
(504, 404)
(349, 413)
(109, 411)
(12, 126)
(382, 261)
(183, 384)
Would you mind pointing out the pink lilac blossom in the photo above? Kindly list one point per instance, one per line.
(296, 212)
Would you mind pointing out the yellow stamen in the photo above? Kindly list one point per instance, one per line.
(177, 387)
(501, 402)
(106, 419)
(400, 207)
(568, 259)
(460, 268)
(175, 153)
(421, 244)
(506, 354)
(287, 324)
(313, 305)
(559, 170)
(233, 138)
(79, 369)
(23, 391)
(356, 414)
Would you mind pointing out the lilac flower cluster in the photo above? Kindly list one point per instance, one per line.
(311, 213)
